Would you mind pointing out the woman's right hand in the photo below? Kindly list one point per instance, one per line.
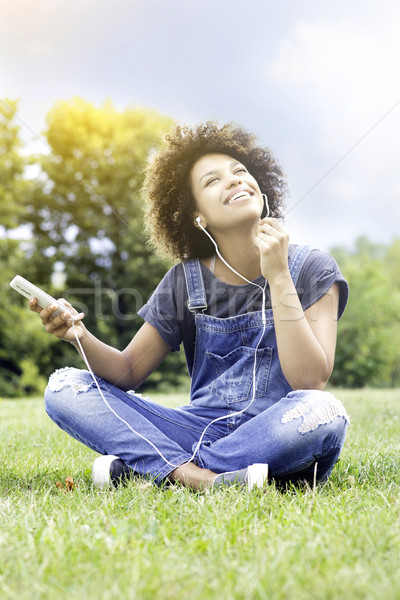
(60, 325)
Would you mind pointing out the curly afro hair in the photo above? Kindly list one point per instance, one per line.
(171, 207)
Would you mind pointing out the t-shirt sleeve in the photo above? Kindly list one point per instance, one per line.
(162, 309)
(320, 271)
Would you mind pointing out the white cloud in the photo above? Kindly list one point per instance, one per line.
(341, 66)
(311, 55)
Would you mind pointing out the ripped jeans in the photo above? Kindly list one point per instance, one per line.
(304, 427)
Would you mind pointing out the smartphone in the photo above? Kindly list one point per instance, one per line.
(27, 289)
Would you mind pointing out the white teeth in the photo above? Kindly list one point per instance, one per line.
(238, 195)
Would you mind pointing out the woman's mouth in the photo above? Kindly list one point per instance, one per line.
(239, 196)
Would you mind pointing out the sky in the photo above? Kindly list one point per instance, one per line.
(316, 81)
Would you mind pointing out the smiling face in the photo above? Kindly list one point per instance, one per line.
(225, 192)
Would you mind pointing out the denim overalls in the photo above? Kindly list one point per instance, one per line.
(226, 348)
(288, 430)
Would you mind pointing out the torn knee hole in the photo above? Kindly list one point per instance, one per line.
(76, 379)
(316, 411)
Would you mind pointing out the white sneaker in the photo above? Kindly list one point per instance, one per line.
(109, 469)
(253, 476)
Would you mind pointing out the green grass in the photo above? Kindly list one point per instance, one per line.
(341, 540)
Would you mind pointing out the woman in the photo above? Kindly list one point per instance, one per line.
(257, 318)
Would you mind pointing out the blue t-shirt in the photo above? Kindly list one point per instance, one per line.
(168, 312)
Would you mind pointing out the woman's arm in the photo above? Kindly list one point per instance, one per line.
(128, 368)
(306, 341)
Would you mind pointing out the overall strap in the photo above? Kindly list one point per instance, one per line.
(297, 256)
(195, 285)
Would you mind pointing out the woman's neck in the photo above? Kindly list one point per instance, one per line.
(241, 254)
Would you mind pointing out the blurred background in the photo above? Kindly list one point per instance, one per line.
(87, 91)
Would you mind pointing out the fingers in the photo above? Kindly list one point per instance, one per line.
(61, 325)
(76, 316)
(270, 231)
(33, 305)
(66, 303)
(269, 220)
(270, 225)
(52, 321)
(44, 312)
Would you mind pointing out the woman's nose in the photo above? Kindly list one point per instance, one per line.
(233, 181)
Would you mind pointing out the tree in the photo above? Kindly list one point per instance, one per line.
(368, 351)
(24, 346)
(12, 165)
(88, 219)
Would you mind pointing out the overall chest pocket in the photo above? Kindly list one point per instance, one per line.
(234, 373)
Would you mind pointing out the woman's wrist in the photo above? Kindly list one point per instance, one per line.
(84, 333)
(281, 282)
(284, 298)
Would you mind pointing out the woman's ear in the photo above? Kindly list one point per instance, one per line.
(200, 222)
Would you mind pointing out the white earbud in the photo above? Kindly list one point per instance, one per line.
(198, 219)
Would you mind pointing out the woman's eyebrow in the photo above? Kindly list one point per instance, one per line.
(213, 172)
(207, 174)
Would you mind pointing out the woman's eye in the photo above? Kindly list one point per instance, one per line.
(240, 170)
(211, 181)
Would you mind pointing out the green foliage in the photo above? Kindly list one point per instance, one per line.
(11, 166)
(23, 344)
(85, 213)
(368, 349)
(90, 217)
(89, 214)
(27, 352)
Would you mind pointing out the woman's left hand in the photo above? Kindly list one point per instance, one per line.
(273, 243)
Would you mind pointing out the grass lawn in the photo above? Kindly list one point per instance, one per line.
(340, 541)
